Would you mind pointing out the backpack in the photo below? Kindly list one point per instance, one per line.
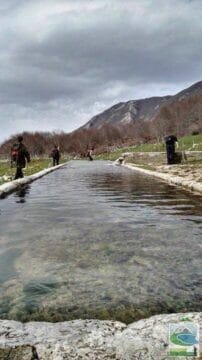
(55, 153)
(14, 152)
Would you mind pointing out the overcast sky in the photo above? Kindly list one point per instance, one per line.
(63, 61)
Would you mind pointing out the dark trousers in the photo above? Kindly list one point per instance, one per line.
(55, 161)
(19, 173)
(170, 149)
(90, 157)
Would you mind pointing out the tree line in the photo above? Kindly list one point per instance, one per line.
(181, 117)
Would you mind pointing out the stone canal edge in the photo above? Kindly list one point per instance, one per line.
(11, 186)
(174, 180)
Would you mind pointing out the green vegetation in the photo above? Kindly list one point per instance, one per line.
(191, 143)
(18, 353)
(180, 353)
(188, 143)
(7, 172)
(35, 309)
(185, 319)
(175, 340)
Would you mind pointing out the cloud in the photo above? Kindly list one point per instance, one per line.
(60, 59)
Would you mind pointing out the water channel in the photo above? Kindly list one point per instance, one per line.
(93, 240)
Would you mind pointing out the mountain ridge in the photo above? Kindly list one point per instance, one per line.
(145, 109)
(126, 123)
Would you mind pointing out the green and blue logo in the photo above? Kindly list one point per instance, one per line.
(184, 339)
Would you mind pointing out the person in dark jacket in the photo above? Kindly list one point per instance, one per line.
(170, 148)
(20, 158)
(90, 154)
(55, 155)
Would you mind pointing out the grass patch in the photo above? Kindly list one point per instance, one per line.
(186, 143)
(7, 172)
(191, 143)
(194, 162)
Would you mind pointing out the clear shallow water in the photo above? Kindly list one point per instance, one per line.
(95, 240)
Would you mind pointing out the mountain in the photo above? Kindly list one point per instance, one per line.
(182, 330)
(190, 91)
(139, 110)
(128, 123)
(127, 112)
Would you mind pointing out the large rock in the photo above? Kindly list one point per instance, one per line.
(89, 339)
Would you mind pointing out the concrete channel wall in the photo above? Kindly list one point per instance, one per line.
(175, 180)
(16, 184)
(158, 158)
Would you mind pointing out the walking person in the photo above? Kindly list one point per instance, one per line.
(19, 157)
(55, 154)
(170, 148)
(90, 154)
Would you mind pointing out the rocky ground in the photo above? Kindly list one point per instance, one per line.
(191, 172)
(91, 339)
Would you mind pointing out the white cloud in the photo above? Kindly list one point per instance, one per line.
(64, 61)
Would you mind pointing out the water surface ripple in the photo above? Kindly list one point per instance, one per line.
(94, 240)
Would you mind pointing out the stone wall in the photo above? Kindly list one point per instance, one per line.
(146, 339)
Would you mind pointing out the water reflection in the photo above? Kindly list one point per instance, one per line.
(141, 191)
(98, 241)
(21, 194)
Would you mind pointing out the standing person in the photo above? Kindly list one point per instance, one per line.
(90, 154)
(170, 148)
(55, 155)
(19, 157)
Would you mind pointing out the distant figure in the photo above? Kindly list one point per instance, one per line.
(55, 155)
(170, 148)
(121, 160)
(90, 154)
(19, 157)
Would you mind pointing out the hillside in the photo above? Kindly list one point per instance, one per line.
(128, 112)
(140, 110)
(131, 123)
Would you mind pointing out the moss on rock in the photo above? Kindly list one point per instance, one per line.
(18, 353)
